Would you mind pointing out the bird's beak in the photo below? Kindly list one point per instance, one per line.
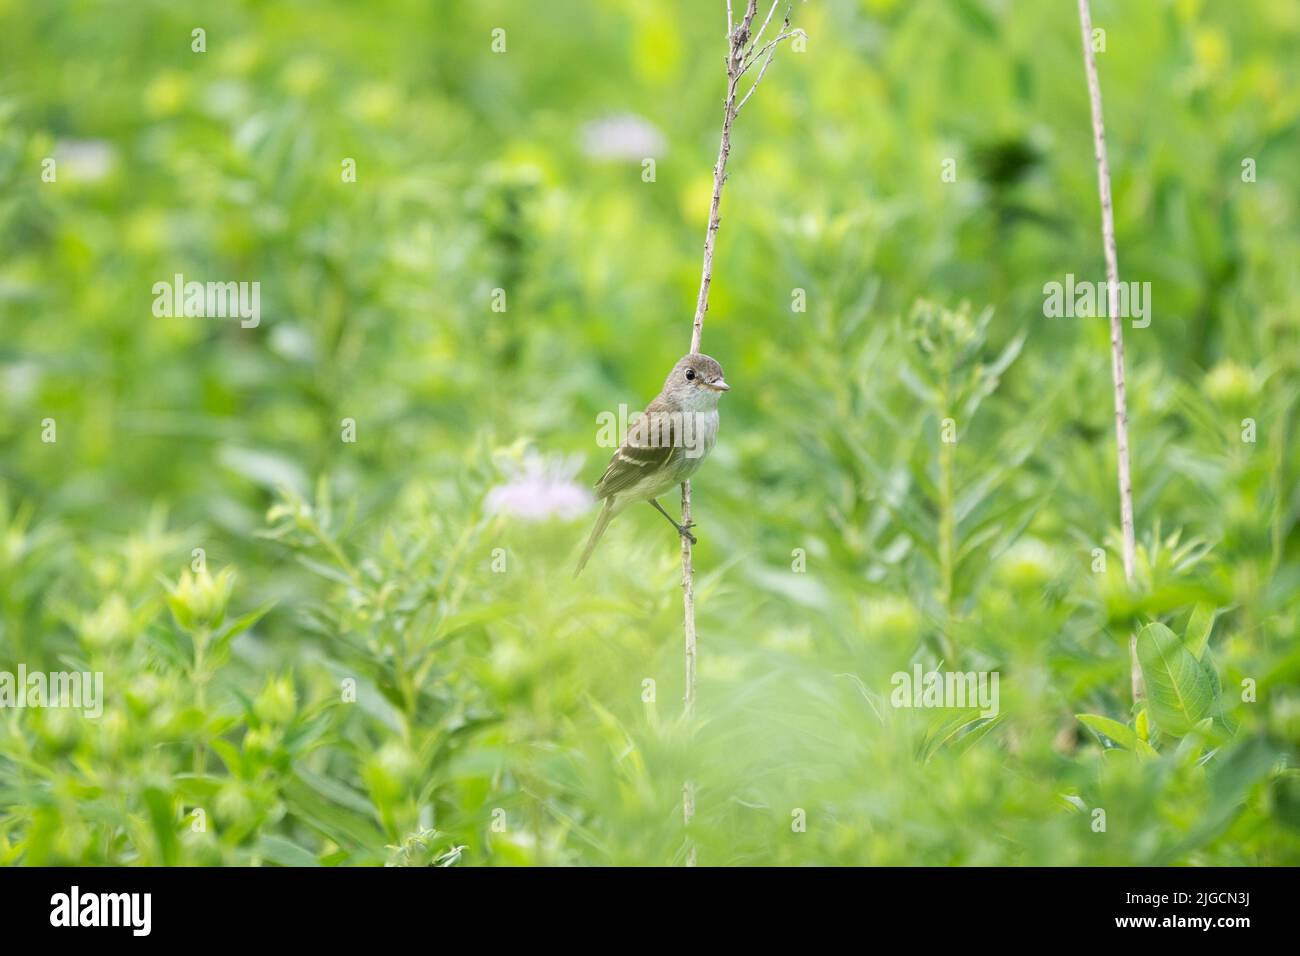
(718, 386)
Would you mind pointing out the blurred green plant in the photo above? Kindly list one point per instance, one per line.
(398, 674)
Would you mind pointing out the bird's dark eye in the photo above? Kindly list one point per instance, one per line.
(690, 374)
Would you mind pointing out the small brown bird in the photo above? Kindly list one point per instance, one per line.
(664, 447)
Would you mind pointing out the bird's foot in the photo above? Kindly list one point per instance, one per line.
(685, 531)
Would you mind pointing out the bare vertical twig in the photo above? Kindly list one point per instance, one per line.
(742, 52)
(738, 37)
(1116, 328)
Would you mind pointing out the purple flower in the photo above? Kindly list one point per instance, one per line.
(541, 489)
(621, 136)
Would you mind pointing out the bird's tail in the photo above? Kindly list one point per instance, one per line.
(606, 514)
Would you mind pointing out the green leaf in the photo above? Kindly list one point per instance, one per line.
(229, 755)
(957, 727)
(1192, 746)
(334, 810)
(282, 852)
(238, 626)
(269, 469)
(1285, 799)
(335, 792)
(164, 824)
(977, 18)
(1142, 725)
(1232, 776)
(324, 570)
(975, 733)
(1199, 627)
(1181, 691)
(1113, 731)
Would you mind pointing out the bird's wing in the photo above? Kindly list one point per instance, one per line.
(651, 446)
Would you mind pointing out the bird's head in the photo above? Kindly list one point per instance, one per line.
(695, 382)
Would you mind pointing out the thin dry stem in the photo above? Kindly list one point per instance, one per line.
(688, 600)
(741, 46)
(771, 48)
(1116, 328)
(758, 37)
(755, 53)
(737, 39)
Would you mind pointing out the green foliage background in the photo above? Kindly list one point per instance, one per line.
(500, 716)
